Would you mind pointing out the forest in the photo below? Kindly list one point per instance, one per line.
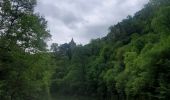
(131, 63)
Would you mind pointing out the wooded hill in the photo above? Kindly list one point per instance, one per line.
(131, 63)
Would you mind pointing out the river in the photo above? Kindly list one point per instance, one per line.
(61, 97)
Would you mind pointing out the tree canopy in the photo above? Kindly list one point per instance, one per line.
(131, 63)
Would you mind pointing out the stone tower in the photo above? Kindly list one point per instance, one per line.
(72, 43)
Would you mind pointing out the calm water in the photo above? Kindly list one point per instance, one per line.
(61, 97)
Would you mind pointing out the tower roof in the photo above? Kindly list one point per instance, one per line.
(72, 40)
(72, 43)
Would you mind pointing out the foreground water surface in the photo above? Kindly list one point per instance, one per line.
(62, 97)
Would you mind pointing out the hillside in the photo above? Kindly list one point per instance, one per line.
(131, 62)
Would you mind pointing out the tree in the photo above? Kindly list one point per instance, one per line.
(20, 26)
(23, 69)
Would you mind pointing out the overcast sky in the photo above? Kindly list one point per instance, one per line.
(84, 20)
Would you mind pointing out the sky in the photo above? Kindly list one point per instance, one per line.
(84, 20)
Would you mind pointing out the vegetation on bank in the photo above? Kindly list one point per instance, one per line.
(131, 63)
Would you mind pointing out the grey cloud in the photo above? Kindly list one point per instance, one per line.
(84, 19)
(50, 10)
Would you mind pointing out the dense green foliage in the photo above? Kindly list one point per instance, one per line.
(25, 69)
(132, 62)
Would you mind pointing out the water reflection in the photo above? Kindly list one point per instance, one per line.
(62, 97)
